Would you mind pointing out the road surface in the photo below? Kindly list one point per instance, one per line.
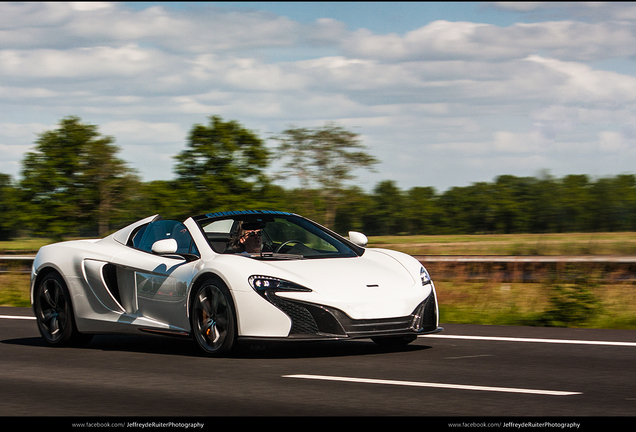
(466, 371)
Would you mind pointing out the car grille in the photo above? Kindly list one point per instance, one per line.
(311, 320)
(303, 321)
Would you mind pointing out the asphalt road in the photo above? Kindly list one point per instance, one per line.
(467, 370)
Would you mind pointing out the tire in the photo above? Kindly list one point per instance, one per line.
(394, 341)
(212, 318)
(54, 313)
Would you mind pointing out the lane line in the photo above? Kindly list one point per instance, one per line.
(513, 339)
(434, 385)
(16, 317)
(470, 356)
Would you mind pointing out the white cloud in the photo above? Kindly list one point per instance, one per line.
(471, 99)
(21, 130)
(587, 86)
(522, 6)
(463, 40)
(244, 73)
(19, 93)
(511, 142)
(137, 130)
(79, 62)
(614, 142)
(90, 6)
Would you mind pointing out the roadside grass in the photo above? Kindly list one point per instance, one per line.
(14, 289)
(548, 304)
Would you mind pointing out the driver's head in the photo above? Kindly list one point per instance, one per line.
(249, 237)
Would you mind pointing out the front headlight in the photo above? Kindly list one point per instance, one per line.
(268, 283)
(426, 278)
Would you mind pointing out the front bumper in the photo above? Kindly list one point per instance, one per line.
(317, 322)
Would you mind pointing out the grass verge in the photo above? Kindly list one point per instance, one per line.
(581, 304)
(14, 289)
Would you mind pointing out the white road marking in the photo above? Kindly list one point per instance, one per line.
(470, 356)
(435, 385)
(512, 339)
(441, 385)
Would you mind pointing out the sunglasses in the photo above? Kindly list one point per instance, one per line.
(252, 234)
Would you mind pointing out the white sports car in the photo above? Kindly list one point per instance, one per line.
(231, 276)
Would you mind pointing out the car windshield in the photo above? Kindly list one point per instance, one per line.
(272, 235)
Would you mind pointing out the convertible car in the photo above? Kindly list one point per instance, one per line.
(233, 276)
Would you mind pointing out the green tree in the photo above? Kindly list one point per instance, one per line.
(421, 212)
(478, 207)
(224, 163)
(511, 199)
(323, 159)
(574, 203)
(106, 181)
(349, 216)
(385, 216)
(9, 207)
(454, 207)
(613, 201)
(72, 180)
(543, 206)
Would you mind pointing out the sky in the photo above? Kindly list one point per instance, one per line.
(443, 94)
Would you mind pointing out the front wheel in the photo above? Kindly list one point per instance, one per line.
(54, 313)
(212, 318)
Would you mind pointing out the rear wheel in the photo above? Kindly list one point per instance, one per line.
(54, 313)
(212, 318)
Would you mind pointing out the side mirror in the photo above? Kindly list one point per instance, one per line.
(163, 247)
(358, 238)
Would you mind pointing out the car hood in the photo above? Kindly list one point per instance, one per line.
(378, 284)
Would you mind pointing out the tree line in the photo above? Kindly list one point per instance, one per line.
(74, 184)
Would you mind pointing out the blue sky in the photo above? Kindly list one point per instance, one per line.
(443, 94)
(379, 17)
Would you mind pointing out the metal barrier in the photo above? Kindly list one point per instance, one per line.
(611, 269)
(505, 268)
(16, 263)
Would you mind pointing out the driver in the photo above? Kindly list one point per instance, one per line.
(248, 239)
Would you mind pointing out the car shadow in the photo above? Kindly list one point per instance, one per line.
(27, 341)
(289, 350)
(262, 350)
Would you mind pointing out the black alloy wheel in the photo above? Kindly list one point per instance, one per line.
(54, 313)
(212, 319)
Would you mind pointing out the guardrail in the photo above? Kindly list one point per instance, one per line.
(16, 263)
(504, 268)
(605, 268)
(528, 259)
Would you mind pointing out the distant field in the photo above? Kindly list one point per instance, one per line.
(22, 245)
(623, 243)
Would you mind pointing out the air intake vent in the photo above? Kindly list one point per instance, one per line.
(313, 320)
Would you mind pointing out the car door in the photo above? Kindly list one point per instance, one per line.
(153, 285)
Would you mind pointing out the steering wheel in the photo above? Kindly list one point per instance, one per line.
(286, 243)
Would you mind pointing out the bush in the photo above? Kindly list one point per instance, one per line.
(571, 304)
